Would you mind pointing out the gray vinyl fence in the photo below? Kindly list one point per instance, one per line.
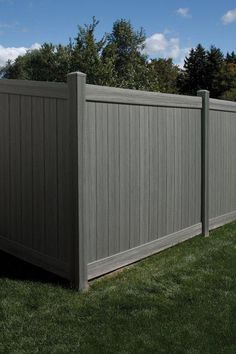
(94, 178)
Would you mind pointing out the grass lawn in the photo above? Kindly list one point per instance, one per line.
(182, 300)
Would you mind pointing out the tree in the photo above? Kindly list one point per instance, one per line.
(229, 95)
(166, 73)
(230, 82)
(54, 62)
(230, 58)
(207, 69)
(215, 82)
(124, 50)
(194, 75)
(116, 59)
(49, 63)
(86, 53)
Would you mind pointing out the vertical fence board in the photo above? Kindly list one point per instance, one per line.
(198, 167)
(113, 179)
(212, 175)
(233, 159)
(170, 192)
(102, 180)
(26, 171)
(51, 173)
(177, 176)
(162, 171)
(15, 168)
(4, 166)
(65, 207)
(124, 120)
(38, 173)
(191, 163)
(90, 165)
(144, 174)
(153, 148)
(224, 163)
(134, 175)
(185, 169)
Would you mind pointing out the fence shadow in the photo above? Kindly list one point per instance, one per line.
(16, 269)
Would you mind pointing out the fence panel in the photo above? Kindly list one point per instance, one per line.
(222, 162)
(36, 218)
(143, 168)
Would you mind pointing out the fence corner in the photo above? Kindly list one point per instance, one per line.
(204, 94)
(77, 109)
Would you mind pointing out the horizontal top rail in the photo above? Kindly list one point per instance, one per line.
(96, 93)
(34, 88)
(106, 94)
(222, 105)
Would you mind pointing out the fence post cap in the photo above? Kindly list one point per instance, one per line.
(77, 73)
(203, 93)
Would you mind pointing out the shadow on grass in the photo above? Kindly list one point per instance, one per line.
(16, 269)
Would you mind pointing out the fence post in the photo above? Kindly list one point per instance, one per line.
(205, 161)
(77, 105)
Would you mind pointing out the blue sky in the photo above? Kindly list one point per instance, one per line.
(172, 27)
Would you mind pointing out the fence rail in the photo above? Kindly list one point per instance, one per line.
(94, 178)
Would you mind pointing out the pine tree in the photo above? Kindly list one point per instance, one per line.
(215, 72)
(230, 58)
(194, 75)
(86, 52)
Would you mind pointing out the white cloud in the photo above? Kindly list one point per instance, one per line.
(183, 12)
(159, 45)
(11, 53)
(229, 17)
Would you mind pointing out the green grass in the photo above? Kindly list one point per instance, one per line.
(182, 300)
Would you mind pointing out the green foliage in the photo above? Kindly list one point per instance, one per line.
(209, 70)
(118, 60)
(182, 300)
(194, 75)
(86, 53)
(215, 67)
(50, 63)
(124, 51)
(167, 74)
(115, 60)
(230, 79)
(229, 95)
(230, 58)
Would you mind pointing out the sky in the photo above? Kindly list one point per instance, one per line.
(172, 27)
